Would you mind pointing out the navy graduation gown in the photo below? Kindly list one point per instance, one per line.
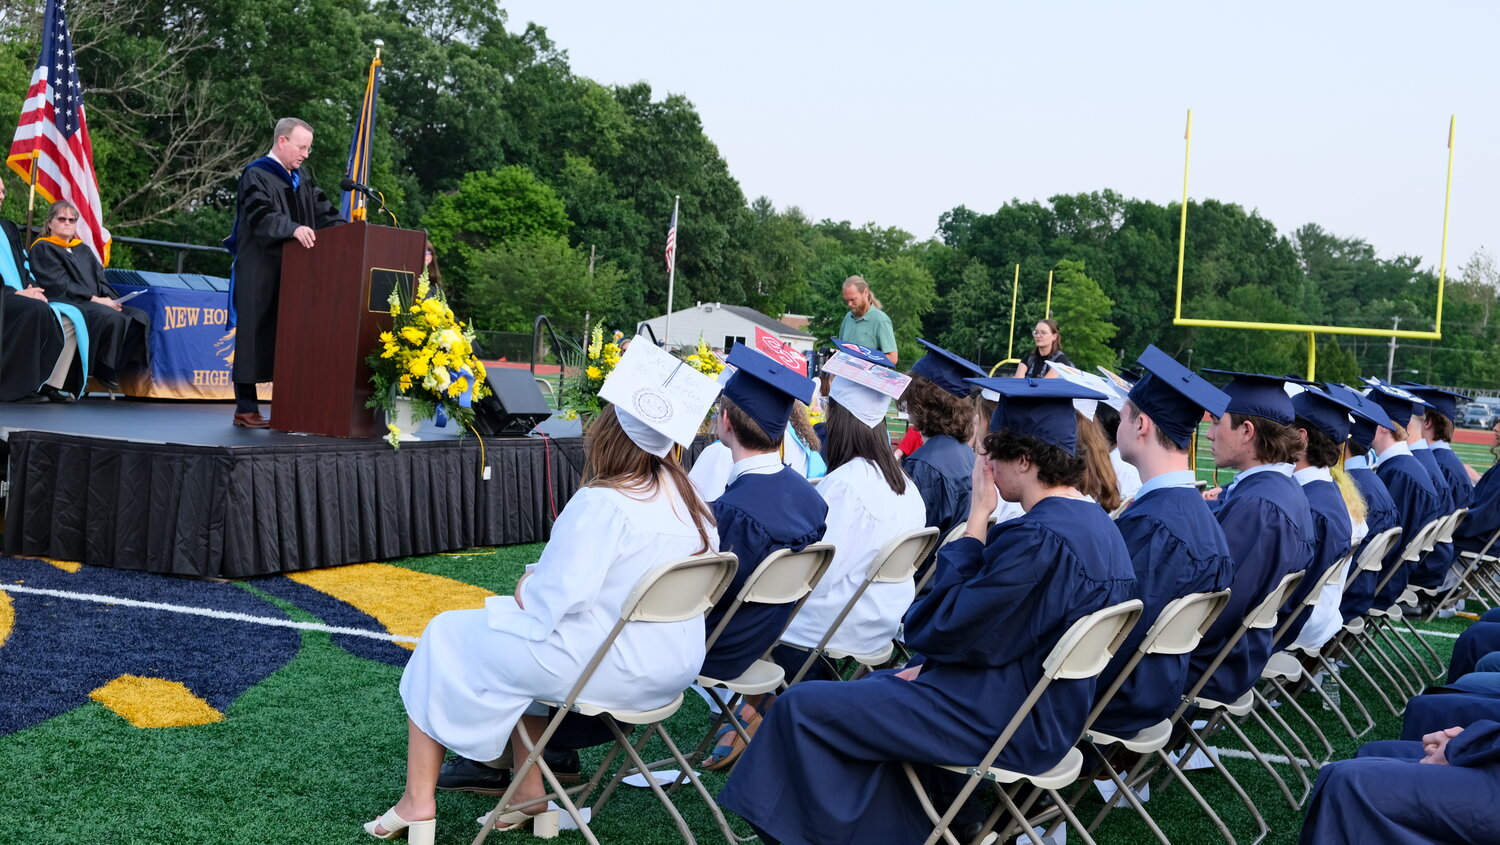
(1269, 528)
(1456, 474)
(1435, 473)
(1398, 801)
(1177, 548)
(1380, 515)
(1441, 710)
(1417, 503)
(1333, 532)
(942, 469)
(825, 764)
(1476, 641)
(1484, 514)
(759, 513)
(1431, 570)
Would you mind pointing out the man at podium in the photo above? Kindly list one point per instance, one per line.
(276, 205)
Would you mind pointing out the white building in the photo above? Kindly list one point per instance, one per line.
(721, 326)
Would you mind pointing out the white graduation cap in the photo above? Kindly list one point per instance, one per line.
(863, 387)
(1088, 407)
(659, 399)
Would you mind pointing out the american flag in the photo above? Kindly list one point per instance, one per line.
(672, 241)
(53, 128)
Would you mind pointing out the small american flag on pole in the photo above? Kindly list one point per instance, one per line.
(672, 242)
(52, 138)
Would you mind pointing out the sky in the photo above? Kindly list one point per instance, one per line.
(1335, 113)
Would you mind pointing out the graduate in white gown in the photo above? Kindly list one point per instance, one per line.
(474, 673)
(870, 502)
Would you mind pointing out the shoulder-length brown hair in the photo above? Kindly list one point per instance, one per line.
(611, 459)
(1099, 478)
(849, 438)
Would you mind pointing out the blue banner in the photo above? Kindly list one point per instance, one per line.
(192, 348)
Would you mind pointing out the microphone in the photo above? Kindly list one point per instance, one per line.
(347, 184)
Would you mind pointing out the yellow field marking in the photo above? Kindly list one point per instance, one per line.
(402, 600)
(155, 703)
(71, 566)
(7, 617)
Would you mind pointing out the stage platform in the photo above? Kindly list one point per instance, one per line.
(173, 488)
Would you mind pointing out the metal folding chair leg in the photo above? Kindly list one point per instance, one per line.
(1125, 792)
(1262, 829)
(1346, 690)
(1260, 757)
(1353, 662)
(1286, 694)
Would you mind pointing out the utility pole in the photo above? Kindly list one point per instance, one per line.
(1390, 358)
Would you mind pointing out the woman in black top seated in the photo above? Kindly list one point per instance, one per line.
(1035, 363)
(70, 272)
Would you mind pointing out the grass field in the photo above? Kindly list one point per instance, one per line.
(311, 744)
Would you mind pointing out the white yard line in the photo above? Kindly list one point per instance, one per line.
(210, 613)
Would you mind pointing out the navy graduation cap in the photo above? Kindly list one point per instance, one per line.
(1259, 395)
(946, 370)
(863, 353)
(1040, 408)
(1399, 403)
(1368, 416)
(1173, 397)
(1326, 413)
(764, 388)
(1445, 402)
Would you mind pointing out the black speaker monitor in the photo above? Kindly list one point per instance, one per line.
(516, 406)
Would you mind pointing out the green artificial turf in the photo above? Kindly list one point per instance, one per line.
(318, 747)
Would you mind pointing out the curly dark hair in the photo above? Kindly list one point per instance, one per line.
(1320, 451)
(932, 410)
(1054, 467)
(1274, 443)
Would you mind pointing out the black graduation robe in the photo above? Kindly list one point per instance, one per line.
(117, 339)
(268, 211)
(825, 765)
(1386, 796)
(1177, 548)
(1268, 525)
(1380, 515)
(29, 347)
(758, 514)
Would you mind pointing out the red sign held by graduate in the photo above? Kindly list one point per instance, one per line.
(773, 346)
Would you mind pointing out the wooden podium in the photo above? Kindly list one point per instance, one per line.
(333, 308)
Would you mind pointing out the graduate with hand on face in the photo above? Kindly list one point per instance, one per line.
(826, 765)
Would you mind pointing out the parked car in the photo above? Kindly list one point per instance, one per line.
(1477, 416)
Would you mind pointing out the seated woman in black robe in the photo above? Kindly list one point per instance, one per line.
(70, 272)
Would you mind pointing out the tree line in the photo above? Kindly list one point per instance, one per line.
(545, 192)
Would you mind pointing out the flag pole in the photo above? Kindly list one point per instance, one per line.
(666, 333)
(31, 197)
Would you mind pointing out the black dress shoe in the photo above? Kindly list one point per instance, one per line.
(52, 394)
(464, 775)
(31, 399)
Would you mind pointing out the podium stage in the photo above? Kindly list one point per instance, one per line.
(173, 488)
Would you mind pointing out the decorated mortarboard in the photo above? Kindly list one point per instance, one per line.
(1445, 402)
(765, 388)
(1258, 395)
(1400, 404)
(1089, 407)
(1174, 397)
(863, 381)
(1368, 415)
(659, 398)
(1040, 408)
(1328, 414)
(946, 370)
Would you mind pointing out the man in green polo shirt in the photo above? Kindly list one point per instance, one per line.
(866, 324)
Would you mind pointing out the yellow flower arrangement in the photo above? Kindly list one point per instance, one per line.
(581, 387)
(427, 356)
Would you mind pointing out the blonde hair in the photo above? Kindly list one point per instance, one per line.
(803, 426)
(1354, 501)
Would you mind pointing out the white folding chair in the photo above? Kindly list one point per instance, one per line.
(955, 533)
(1178, 629)
(1382, 641)
(784, 577)
(672, 592)
(1475, 580)
(895, 563)
(1082, 652)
